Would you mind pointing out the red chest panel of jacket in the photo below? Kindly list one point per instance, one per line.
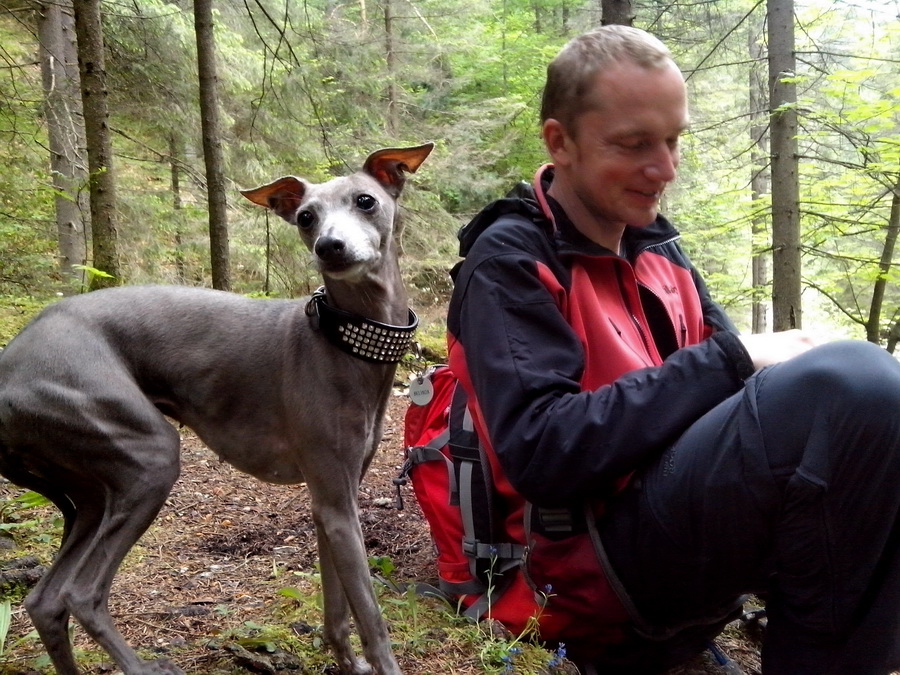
(604, 308)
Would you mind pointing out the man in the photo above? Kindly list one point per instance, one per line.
(640, 445)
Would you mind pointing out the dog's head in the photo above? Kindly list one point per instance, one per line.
(346, 222)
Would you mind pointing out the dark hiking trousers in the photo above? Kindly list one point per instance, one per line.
(791, 490)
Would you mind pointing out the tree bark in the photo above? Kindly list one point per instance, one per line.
(873, 325)
(177, 205)
(92, 70)
(391, 61)
(760, 182)
(65, 130)
(212, 145)
(786, 309)
(893, 337)
(616, 12)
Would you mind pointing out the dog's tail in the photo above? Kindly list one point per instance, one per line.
(16, 472)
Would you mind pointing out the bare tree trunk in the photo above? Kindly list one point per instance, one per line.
(873, 332)
(391, 61)
(92, 70)
(893, 337)
(786, 310)
(616, 12)
(212, 145)
(760, 182)
(174, 153)
(65, 130)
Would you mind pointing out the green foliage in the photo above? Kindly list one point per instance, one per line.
(5, 621)
(25, 516)
(15, 312)
(30, 520)
(27, 240)
(308, 94)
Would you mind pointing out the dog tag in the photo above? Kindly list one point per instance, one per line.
(421, 390)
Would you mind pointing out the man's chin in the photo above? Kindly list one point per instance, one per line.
(644, 220)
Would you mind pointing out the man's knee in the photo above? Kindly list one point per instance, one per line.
(838, 398)
(859, 377)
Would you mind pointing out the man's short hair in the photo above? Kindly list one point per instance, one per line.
(571, 74)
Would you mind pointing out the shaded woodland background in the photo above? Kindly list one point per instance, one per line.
(311, 87)
(127, 128)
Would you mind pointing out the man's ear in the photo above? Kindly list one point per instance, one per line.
(557, 141)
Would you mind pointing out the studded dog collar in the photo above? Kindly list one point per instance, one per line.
(358, 336)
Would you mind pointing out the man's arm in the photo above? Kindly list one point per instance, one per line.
(526, 363)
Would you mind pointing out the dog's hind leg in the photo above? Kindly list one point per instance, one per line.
(53, 617)
(115, 501)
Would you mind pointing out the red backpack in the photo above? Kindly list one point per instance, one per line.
(452, 481)
(551, 589)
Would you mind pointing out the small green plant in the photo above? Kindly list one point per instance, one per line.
(92, 273)
(383, 565)
(291, 593)
(5, 622)
(258, 637)
(518, 653)
(14, 512)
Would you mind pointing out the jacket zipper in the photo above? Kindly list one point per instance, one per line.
(674, 237)
(634, 319)
(680, 332)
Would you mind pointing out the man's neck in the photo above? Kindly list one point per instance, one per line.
(608, 235)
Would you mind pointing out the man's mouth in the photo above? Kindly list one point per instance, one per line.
(652, 195)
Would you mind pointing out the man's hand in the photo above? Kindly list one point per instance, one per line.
(766, 349)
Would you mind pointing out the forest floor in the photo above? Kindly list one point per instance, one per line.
(206, 580)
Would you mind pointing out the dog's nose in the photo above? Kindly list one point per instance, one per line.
(329, 248)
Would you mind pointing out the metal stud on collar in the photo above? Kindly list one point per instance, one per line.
(358, 336)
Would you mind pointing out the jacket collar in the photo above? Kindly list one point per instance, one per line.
(533, 202)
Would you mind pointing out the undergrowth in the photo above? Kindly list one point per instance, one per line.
(15, 312)
(287, 635)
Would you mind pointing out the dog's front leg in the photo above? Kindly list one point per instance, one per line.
(346, 587)
(337, 614)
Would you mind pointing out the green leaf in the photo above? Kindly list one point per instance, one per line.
(5, 621)
(290, 592)
(32, 499)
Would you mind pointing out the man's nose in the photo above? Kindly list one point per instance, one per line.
(663, 165)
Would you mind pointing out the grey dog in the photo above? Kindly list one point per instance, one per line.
(287, 391)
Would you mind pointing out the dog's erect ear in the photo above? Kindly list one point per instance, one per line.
(389, 165)
(283, 196)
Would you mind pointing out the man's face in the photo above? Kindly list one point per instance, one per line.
(615, 164)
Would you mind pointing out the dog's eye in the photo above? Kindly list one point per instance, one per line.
(306, 219)
(366, 202)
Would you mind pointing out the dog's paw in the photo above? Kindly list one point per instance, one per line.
(161, 667)
(354, 666)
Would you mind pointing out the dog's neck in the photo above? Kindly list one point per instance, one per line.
(380, 297)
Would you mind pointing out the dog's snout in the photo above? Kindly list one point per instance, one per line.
(328, 248)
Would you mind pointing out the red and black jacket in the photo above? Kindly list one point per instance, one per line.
(581, 366)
